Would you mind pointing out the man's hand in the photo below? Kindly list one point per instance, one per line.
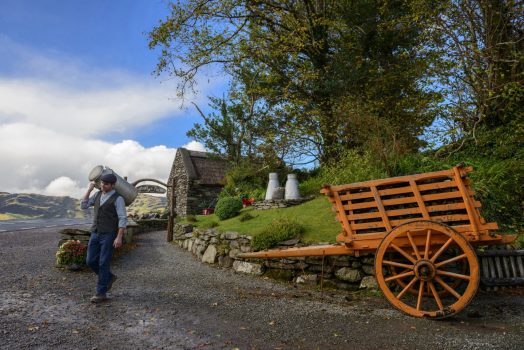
(117, 243)
(91, 186)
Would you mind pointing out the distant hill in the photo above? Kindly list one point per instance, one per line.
(25, 205)
(29, 205)
(144, 204)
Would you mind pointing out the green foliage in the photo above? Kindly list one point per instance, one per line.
(352, 167)
(191, 218)
(71, 252)
(498, 183)
(277, 231)
(308, 66)
(248, 179)
(228, 207)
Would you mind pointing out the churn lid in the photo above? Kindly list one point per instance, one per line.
(96, 173)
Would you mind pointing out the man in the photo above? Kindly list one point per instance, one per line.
(108, 228)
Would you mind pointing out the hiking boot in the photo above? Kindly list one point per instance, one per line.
(98, 298)
(110, 284)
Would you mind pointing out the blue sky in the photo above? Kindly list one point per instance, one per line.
(76, 84)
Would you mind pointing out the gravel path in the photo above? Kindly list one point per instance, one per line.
(165, 299)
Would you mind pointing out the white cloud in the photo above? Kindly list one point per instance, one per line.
(63, 186)
(195, 146)
(53, 115)
(38, 160)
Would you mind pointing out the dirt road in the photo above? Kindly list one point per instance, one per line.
(165, 299)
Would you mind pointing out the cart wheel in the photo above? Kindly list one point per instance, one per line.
(459, 266)
(421, 249)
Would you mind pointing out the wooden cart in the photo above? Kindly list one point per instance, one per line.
(421, 228)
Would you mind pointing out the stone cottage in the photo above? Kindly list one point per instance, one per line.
(198, 177)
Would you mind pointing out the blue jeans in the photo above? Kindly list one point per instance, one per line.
(99, 254)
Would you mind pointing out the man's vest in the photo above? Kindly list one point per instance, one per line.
(106, 217)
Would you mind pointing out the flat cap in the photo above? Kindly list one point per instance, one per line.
(109, 178)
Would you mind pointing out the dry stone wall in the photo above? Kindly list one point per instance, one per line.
(222, 249)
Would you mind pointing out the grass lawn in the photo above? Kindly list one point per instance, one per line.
(9, 216)
(316, 216)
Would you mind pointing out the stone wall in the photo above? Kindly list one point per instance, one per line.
(212, 247)
(83, 234)
(201, 197)
(279, 203)
(190, 195)
(181, 187)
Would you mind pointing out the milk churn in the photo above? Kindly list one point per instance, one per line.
(271, 185)
(292, 187)
(124, 188)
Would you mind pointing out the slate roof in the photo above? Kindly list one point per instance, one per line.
(203, 167)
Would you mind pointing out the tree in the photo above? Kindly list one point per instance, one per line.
(319, 62)
(482, 44)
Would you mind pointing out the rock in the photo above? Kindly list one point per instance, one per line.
(190, 245)
(368, 260)
(225, 261)
(247, 267)
(245, 248)
(289, 242)
(231, 235)
(368, 282)
(314, 260)
(349, 275)
(368, 269)
(233, 253)
(342, 260)
(234, 245)
(210, 255)
(307, 279)
(356, 264)
(347, 286)
(280, 266)
(282, 275)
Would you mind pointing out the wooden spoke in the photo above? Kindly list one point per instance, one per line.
(447, 287)
(403, 252)
(400, 275)
(420, 294)
(441, 250)
(406, 288)
(394, 263)
(428, 243)
(413, 245)
(452, 274)
(445, 262)
(435, 295)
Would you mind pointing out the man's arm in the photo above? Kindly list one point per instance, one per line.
(87, 201)
(122, 221)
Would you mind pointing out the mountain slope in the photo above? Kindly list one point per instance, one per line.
(29, 205)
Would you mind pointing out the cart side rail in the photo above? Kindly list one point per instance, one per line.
(373, 208)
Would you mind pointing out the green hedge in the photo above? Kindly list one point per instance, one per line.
(228, 207)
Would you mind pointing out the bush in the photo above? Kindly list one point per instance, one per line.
(71, 252)
(277, 231)
(353, 166)
(228, 207)
(191, 218)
